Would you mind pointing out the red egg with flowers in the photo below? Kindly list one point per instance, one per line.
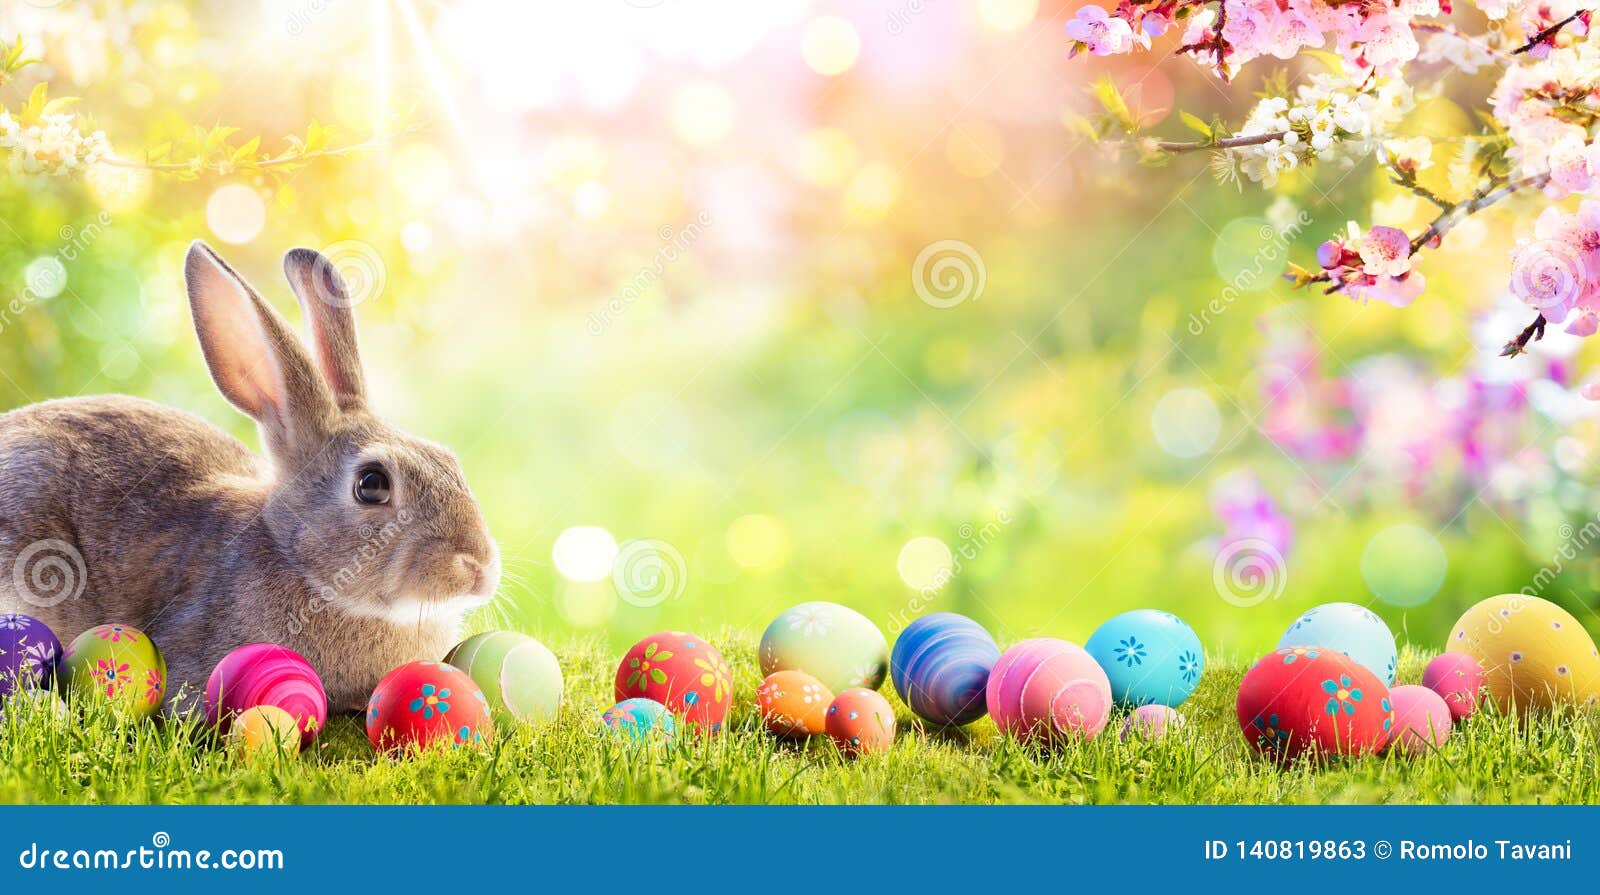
(422, 704)
(1302, 700)
(683, 673)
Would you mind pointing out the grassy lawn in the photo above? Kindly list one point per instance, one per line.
(100, 758)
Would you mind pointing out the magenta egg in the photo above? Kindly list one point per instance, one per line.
(1421, 720)
(1458, 678)
(267, 674)
(1046, 689)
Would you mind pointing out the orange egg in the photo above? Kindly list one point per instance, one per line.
(264, 732)
(793, 704)
(860, 721)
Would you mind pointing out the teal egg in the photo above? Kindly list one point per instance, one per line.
(834, 644)
(1151, 657)
(1350, 629)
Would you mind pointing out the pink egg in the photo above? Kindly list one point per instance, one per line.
(1046, 689)
(1421, 720)
(1151, 722)
(267, 674)
(1458, 678)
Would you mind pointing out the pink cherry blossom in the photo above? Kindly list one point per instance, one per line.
(1386, 252)
(1100, 32)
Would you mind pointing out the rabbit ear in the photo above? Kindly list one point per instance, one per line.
(326, 303)
(257, 363)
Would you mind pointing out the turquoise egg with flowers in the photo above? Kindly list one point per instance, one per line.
(1151, 657)
(1347, 628)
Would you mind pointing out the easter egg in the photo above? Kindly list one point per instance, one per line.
(516, 673)
(258, 674)
(1533, 653)
(860, 722)
(1300, 700)
(683, 673)
(264, 732)
(1350, 629)
(26, 704)
(940, 667)
(834, 644)
(422, 704)
(119, 664)
(1149, 656)
(1459, 679)
(1151, 722)
(29, 652)
(1047, 690)
(793, 704)
(639, 719)
(1421, 720)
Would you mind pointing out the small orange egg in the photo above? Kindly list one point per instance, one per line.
(860, 721)
(793, 704)
(264, 732)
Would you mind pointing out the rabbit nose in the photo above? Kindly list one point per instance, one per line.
(474, 570)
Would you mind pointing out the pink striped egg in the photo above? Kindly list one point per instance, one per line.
(1048, 690)
(267, 674)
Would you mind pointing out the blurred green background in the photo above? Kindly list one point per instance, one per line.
(728, 306)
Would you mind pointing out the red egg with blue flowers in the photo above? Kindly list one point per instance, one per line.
(1300, 700)
(423, 704)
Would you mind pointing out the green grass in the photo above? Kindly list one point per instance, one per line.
(100, 758)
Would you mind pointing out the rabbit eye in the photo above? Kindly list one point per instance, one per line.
(372, 486)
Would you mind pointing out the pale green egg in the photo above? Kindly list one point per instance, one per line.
(835, 644)
(516, 673)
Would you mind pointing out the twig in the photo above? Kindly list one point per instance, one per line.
(1532, 333)
(1451, 216)
(1548, 33)
(1227, 143)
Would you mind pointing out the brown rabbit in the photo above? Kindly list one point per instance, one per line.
(353, 543)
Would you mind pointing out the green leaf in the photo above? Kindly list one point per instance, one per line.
(1195, 124)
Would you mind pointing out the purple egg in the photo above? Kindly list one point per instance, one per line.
(29, 652)
(1151, 722)
(940, 666)
(1458, 678)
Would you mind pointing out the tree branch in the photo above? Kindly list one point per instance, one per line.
(1453, 215)
(1226, 143)
(1533, 333)
(1548, 33)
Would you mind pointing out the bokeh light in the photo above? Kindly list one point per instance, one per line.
(584, 553)
(1404, 565)
(830, 45)
(1186, 422)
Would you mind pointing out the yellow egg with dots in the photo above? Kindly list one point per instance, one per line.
(1534, 654)
(264, 733)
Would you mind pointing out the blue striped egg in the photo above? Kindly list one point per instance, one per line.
(940, 666)
(1151, 657)
(1350, 629)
